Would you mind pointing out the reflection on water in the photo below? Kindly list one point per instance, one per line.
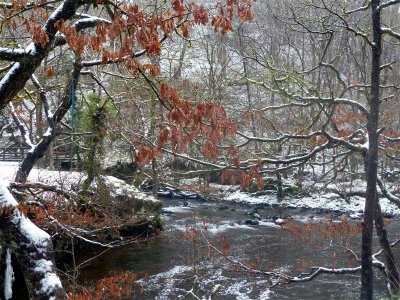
(174, 265)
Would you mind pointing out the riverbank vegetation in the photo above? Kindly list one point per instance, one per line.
(279, 99)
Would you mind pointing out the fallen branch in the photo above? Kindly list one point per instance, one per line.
(41, 186)
(313, 272)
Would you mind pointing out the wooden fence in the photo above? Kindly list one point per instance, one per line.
(17, 154)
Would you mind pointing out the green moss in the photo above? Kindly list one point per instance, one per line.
(157, 222)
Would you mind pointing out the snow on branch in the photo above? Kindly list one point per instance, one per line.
(361, 8)
(316, 271)
(335, 101)
(305, 101)
(41, 186)
(15, 79)
(32, 247)
(392, 198)
(24, 132)
(281, 138)
(43, 98)
(388, 3)
(297, 158)
(390, 32)
(392, 140)
(344, 142)
(89, 22)
(17, 54)
(31, 4)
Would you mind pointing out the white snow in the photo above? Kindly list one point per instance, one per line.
(31, 49)
(9, 277)
(50, 280)
(6, 78)
(121, 188)
(34, 235)
(268, 224)
(6, 199)
(218, 228)
(91, 20)
(11, 51)
(326, 199)
(69, 180)
(48, 132)
(177, 270)
(33, 147)
(265, 295)
(240, 289)
(279, 221)
(177, 209)
(215, 229)
(30, 230)
(54, 14)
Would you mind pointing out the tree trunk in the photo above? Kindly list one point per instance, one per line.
(371, 158)
(279, 188)
(390, 261)
(39, 125)
(31, 158)
(178, 71)
(3, 253)
(50, 157)
(33, 248)
(92, 163)
(155, 178)
(40, 149)
(248, 91)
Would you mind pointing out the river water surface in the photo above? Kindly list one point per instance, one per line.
(178, 261)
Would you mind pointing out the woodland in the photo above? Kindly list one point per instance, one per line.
(186, 96)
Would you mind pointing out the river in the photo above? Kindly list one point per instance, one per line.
(176, 262)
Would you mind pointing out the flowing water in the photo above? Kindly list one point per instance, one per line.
(178, 261)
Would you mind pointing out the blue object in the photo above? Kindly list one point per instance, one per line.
(73, 104)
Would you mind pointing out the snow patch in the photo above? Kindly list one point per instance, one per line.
(240, 289)
(11, 72)
(34, 233)
(9, 277)
(177, 209)
(177, 270)
(268, 224)
(48, 132)
(326, 200)
(6, 199)
(215, 228)
(69, 180)
(50, 281)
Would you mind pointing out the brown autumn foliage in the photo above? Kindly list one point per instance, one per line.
(113, 287)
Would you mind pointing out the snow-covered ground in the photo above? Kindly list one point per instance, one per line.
(71, 180)
(321, 193)
(328, 201)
